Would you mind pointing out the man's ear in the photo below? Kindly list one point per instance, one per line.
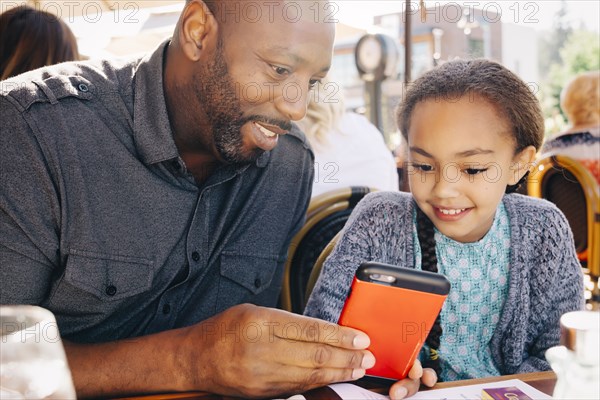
(197, 24)
(522, 163)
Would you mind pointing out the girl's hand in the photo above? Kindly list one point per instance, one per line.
(410, 385)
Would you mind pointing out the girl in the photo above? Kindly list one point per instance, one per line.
(472, 129)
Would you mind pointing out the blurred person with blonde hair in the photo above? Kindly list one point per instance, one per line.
(31, 39)
(580, 100)
(349, 150)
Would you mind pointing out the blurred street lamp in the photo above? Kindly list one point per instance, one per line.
(467, 22)
(437, 45)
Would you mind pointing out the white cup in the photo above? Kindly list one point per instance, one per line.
(33, 364)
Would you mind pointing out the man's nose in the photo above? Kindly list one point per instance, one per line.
(293, 102)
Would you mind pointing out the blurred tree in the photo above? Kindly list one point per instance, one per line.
(552, 41)
(580, 53)
(564, 53)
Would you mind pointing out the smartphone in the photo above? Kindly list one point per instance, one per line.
(396, 307)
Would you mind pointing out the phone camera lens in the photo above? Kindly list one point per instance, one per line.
(383, 278)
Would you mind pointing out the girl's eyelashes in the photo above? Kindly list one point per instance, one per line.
(430, 168)
(313, 82)
(475, 171)
(423, 167)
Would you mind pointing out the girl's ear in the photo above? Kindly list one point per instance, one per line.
(522, 163)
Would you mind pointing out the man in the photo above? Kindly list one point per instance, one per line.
(143, 203)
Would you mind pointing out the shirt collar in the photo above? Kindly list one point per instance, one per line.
(151, 128)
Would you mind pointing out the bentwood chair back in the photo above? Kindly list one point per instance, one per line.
(572, 187)
(326, 216)
(316, 271)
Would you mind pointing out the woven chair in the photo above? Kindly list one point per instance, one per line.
(326, 216)
(571, 186)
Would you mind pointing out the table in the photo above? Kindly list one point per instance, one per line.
(542, 381)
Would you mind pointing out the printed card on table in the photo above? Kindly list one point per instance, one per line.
(504, 393)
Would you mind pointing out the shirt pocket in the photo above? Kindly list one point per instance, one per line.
(106, 276)
(243, 277)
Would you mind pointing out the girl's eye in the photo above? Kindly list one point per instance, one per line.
(280, 70)
(313, 82)
(475, 171)
(423, 167)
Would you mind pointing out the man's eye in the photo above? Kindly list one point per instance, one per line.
(423, 167)
(475, 171)
(280, 70)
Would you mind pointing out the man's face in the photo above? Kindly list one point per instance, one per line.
(260, 77)
(216, 90)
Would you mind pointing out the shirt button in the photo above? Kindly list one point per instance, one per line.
(195, 256)
(83, 87)
(257, 283)
(166, 309)
(111, 290)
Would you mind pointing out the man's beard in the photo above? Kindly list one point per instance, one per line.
(217, 94)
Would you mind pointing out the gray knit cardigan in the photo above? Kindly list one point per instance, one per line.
(545, 280)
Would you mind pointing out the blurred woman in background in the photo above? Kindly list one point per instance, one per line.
(31, 39)
(349, 150)
(580, 100)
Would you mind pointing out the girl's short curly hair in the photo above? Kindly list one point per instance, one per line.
(479, 78)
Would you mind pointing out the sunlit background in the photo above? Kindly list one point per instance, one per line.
(545, 42)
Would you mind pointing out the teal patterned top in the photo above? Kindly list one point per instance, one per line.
(478, 273)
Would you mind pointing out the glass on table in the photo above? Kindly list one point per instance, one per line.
(33, 364)
(577, 360)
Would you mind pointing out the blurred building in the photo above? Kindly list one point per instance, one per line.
(445, 33)
(115, 28)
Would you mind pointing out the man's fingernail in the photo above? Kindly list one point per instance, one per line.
(400, 392)
(368, 361)
(361, 342)
(358, 373)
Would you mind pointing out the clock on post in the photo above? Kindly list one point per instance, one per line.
(376, 58)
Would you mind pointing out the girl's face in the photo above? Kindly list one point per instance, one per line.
(462, 157)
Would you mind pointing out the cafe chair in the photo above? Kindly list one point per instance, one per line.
(316, 271)
(571, 186)
(326, 216)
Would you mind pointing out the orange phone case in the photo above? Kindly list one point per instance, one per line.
(396, 318)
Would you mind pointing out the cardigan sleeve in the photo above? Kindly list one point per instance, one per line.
(377, 230)
(557, 288)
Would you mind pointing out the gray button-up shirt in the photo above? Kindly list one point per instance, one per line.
(101, 223)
